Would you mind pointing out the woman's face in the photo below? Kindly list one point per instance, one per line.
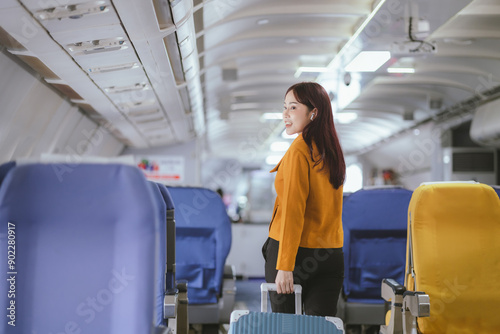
(295, 115)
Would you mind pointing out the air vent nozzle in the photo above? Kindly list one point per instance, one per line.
(112, 68)
(72, 11)
(98, 46)
(130, 88)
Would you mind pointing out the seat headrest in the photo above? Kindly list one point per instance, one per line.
(455, 228)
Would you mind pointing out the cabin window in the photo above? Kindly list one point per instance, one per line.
(354, 178)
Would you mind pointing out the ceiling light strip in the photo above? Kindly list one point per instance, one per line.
(356, 34)
(368, 61)
(400, 70)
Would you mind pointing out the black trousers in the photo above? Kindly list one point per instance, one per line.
(320, 271)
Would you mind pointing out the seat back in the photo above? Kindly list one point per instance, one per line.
(454, 229)
(85, 249)
(374, 222)
(203, 240)
(497, 190)
(170, 235)
(5, 168)
(162, 249)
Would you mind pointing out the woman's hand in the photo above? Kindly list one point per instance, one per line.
(284, 281)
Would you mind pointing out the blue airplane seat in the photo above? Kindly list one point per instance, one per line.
(170, 235)
(497, 190)
(85, 250)
(374, 222)
(5, 168)
(166, 196)
(345, 195)
(171, 304)
(162, 254)
(203, 241)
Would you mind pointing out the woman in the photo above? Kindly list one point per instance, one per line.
(305, 235)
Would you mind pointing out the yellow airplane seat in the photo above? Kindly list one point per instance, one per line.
(452, 282)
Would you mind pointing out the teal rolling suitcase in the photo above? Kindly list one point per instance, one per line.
(246, 322)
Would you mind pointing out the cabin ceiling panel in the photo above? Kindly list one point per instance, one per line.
(8, 4)
(314, 28)
(157, 77)
(112, 54)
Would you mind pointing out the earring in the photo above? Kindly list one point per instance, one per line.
(312, 116)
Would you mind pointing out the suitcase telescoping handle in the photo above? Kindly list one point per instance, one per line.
(266, 287)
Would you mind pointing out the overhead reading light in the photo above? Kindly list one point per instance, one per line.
(345, 117)
(155, 126)
(112, 68)
(272, 116)
(262, 21)
(158, 139)
(122, 89)
(72, 11)
(401, 70)
(98, 45)
(152, 120)
(161, 127)
(126, 106)
(309, 69)
(368, 61)
(143, 112)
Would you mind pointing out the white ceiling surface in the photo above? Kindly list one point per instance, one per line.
(181, 50)
(266, 57)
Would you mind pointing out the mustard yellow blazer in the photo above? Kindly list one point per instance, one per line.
(307, 210)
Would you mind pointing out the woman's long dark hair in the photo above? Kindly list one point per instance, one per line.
(321, 130)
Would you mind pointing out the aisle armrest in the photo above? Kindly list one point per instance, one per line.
(182, 322)
(170, 304)
(393, 292)
(416, 304)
